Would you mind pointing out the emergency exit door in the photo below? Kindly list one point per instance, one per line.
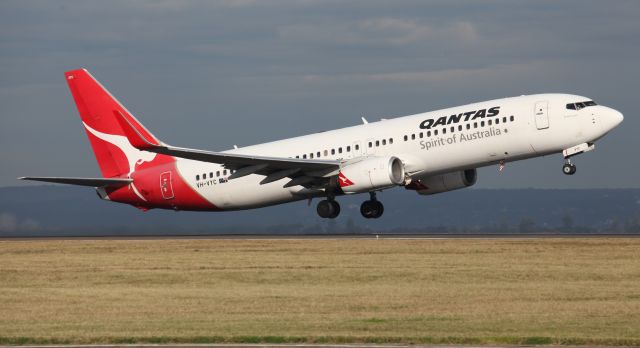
(165, 185)
(542, 115)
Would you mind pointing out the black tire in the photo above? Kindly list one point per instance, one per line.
(379, 208)
(367, 210)
(336, 209)
(568, 169)
(573, 169)
(325, 209)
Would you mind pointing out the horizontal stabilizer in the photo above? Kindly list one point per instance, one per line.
(92, 182)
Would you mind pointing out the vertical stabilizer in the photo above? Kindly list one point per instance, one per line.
(97, 107)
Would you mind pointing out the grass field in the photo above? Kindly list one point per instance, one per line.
(563, 291)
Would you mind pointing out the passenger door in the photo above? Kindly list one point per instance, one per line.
(541, 113)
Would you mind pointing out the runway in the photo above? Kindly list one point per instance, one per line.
(320, 236)
(266, 345)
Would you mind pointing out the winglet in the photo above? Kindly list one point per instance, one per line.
(133, 135)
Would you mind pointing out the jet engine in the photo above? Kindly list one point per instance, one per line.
(443, 182)
(371, 173)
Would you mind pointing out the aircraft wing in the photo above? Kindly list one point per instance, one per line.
(92, 182)
(301, 171)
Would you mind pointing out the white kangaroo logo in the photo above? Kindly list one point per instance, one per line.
(134, 156)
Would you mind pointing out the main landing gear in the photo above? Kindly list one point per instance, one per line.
(372, 209)
(328, 209)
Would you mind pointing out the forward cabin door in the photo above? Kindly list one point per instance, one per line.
(165, 185)
(542, 114)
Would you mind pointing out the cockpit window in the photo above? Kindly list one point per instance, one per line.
(582, 105)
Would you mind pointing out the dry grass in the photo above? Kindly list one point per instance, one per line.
(472, 291)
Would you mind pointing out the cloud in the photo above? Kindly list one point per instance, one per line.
(214, 67)
(378, 31)
(445, 76)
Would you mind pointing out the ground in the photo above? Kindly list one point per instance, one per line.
(517, 291)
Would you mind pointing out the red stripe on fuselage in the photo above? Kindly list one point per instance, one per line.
(147, 183)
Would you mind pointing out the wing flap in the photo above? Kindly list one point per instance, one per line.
(91, 182)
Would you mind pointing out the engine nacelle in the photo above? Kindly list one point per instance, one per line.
(443, 182)
(372, 173)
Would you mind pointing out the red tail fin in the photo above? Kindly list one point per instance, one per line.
(98, 109)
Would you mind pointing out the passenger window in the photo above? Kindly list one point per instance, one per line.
(197, 177)
(475, 124)
(390, 141)
(428, 133)
(370, 144)
(311, 155)
(377, 143)
(511, 118)
(489, 122)
(413, 137)
(497, 121)
(218, 173)
(210, 175)
(204, 176)
(460, 128)
(224, 172)
(444, 131)
(482, 124)
(304, 156)
(357, 147)
(468, 126)
(326, 153)
(333, 151)
(453, 129)
(420, 135)
(435, 132)
(348, 148)
(504, 120)
(406, 138)
(339, 150)
(384, 141)
(318, 154)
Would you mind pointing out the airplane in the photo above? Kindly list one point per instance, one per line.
(428, 153)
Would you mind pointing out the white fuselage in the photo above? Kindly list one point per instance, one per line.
(525, 127)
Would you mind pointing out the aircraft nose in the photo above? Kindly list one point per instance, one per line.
(612, 118)
(617, 117)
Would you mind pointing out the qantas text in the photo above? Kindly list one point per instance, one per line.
(464, 116)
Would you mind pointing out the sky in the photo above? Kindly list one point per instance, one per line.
(209, 75)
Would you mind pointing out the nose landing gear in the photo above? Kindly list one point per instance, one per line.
(372, 209)
(569, 168)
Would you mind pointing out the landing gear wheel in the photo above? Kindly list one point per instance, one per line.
(569, 169)
(328, 209)
(371, 209)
